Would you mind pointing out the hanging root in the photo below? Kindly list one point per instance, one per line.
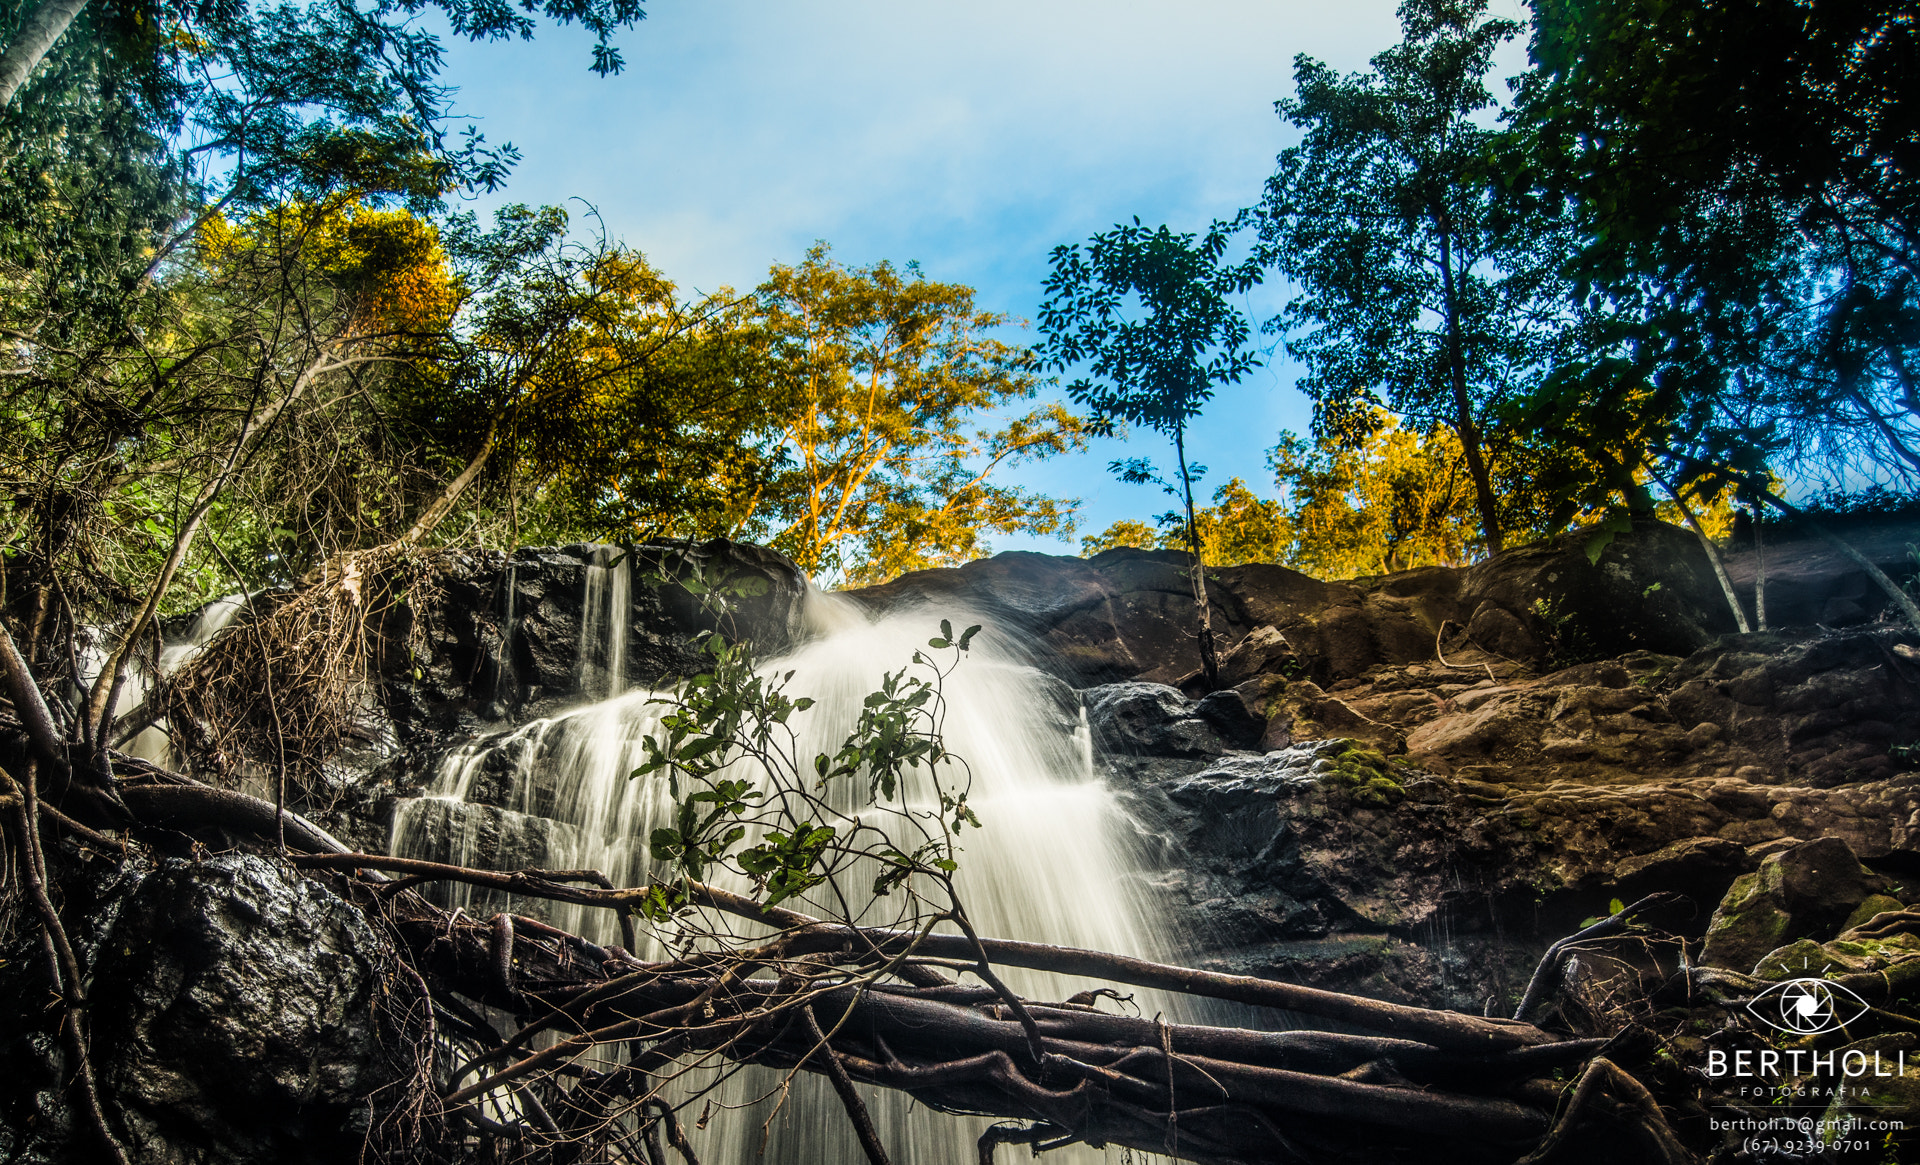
(288, 684)
(1004, 1134)
(64, 966)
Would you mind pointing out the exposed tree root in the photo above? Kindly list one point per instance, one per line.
(865, 1006)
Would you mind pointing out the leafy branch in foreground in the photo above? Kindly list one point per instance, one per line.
(748, 800)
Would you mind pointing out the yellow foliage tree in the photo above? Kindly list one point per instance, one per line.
(1402, 500)
(1238, 527)
(880, 376)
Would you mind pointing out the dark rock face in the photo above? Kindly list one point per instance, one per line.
(1138, 719)
(1808, 580)
(1122, 614)
(1282, 869)
(1592, 732)
(505, 634)
(240, 1013)
(511, 639)
(1129, 614)
(1521, 804)
(1829, 705)
(1648, 590)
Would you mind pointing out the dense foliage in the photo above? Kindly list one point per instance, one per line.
(1671, 267)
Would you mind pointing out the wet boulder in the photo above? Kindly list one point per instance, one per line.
(242, 1013)
(1592, 594)
(486, 636)
(1136, 719)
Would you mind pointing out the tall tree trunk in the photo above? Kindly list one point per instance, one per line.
(1759, 573)
(1196, 569)
(1713, 552)
(38, 32)
(1463, 407)
(437, 511)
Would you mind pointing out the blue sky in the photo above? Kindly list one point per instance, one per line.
(972, 137)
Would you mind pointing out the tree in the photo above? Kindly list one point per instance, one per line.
(575, 375)
(1741, 194)
(1748, 216)
(1125, 533)
(878, 375)
(1387, 218)
(158, 376)
(1238, 527)
(151, 41)
(1401, 500)
(1146, 310)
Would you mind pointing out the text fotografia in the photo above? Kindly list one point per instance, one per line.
(1769, 1062)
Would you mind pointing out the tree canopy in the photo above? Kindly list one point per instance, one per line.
(879, 378)
(1407, 262)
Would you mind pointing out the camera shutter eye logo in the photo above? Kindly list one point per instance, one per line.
(1805, 1007)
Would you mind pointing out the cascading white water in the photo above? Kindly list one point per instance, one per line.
(1052, 862)
(153, 743)
(602, 666)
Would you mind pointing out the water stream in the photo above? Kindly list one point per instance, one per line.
(1052, 863)
(153, 743)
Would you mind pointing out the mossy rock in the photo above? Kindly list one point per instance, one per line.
(1804, 892)
(1895, 1096)
(1841, 956)
(1874, 904)
(1368, 773)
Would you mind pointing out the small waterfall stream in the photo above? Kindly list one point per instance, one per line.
(153, 743)
(1052, 863)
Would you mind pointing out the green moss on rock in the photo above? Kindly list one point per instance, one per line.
(1368, 773)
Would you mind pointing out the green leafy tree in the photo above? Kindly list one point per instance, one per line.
(1147, 312)
(1747, 211)
(1412, 280)
(158, 381)
(575, 375)
(152, 42)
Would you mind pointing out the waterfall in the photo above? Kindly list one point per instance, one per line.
(604, 614)
(153, 743)
(1053, 862)
(503, 671)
